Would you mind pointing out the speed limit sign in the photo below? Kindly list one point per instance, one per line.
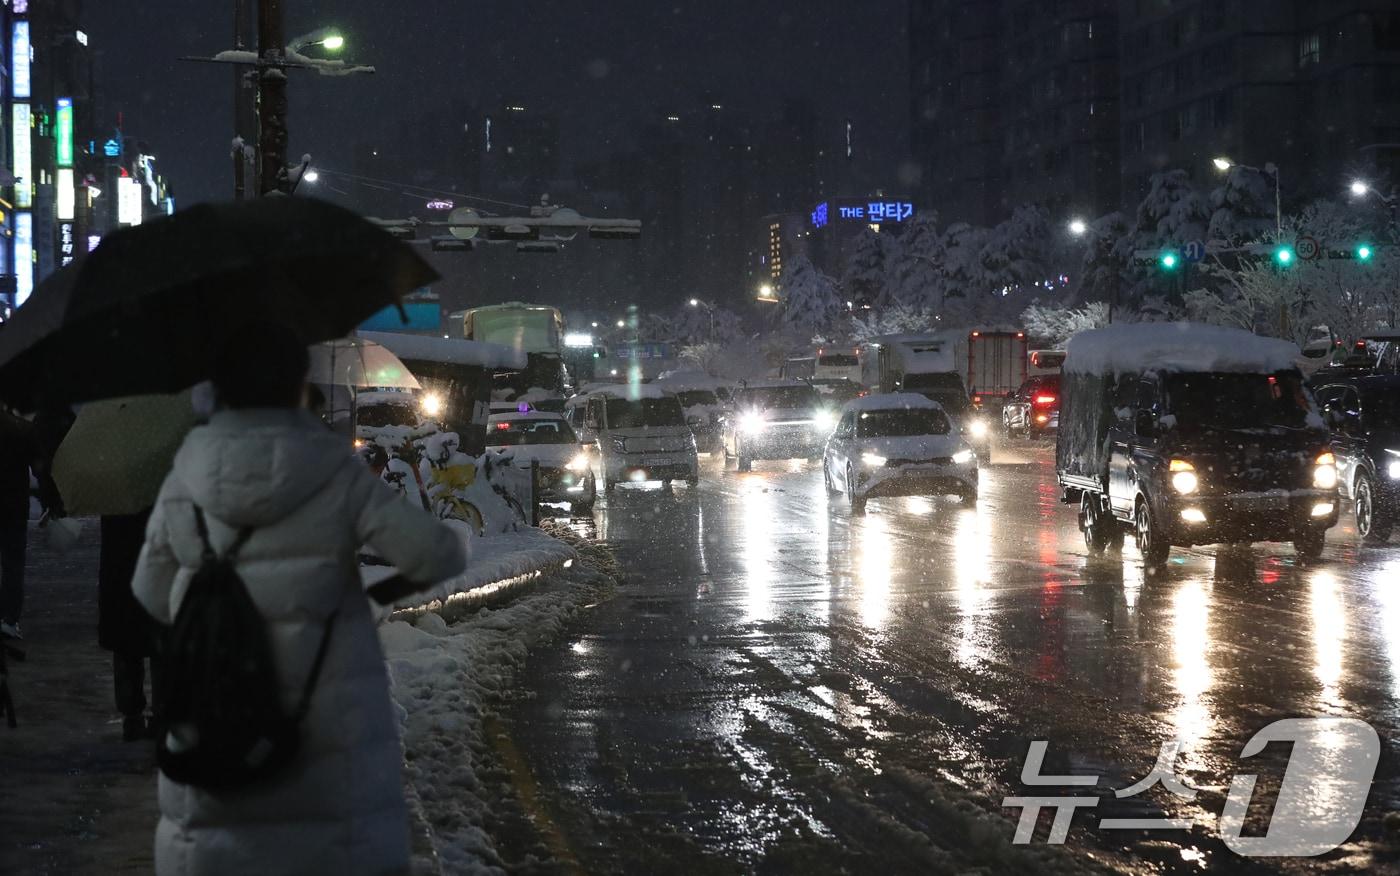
(1307, 248)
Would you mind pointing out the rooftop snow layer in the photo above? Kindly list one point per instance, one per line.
(452, 351)
(630, 391)
(1177, 346)
(891, 401)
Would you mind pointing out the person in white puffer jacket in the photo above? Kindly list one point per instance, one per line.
(265, 463)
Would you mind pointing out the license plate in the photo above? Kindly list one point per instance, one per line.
(1262, 504)
(655, 461)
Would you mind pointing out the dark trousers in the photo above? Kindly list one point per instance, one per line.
(129, 681)
(12, 544)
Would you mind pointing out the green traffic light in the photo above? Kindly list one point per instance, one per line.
(1169, 260)
(1284, 255)
(1363, 252)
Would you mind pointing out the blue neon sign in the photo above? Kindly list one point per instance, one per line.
(865, 212)
(19, 60)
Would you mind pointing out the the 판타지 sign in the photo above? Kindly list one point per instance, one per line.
(866, 211)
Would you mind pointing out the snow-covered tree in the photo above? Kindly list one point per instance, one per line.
(1173, 213)
(811, 301)
(868, 278)
(1242, 207)
(918, 269)
(1103, 267)
(896, 319)
(1055, 325)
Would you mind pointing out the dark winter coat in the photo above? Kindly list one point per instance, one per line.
(123, 626)
(18, 452)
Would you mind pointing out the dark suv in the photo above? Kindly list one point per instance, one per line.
(1364, 415)
(1034, 409)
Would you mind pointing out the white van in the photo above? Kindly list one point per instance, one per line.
(641, 435)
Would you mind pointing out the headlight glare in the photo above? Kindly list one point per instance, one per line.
(963, 457)
(1394, 471)
(824, 421)
(578, 463)
(752, 422)
(977, 428)
(430, 404)
(1325, 476)
(874, 460)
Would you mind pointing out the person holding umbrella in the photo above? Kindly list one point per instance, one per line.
(20, 456)
(266, 475)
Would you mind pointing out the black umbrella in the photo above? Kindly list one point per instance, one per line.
(148, 309)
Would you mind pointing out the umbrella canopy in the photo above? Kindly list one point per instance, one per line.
(359, 363)
(119, 451)
(150, 308)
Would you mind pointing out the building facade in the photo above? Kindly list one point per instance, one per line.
(1074, 104)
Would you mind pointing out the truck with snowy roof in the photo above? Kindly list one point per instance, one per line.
(1190, 434)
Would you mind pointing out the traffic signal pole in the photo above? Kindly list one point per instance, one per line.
(272, 100)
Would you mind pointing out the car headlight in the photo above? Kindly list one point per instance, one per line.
(1184, 479)
(1325, 472)
(874, 460)
(430, 404)
(1394, 471)
(824, 421)
(578, 463)
(977, 428)
(752, 422)
(963, 457)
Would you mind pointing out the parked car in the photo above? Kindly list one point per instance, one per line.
(1034, 409)
(641, 435)
(1364, 415)
(566, 473)
(898, 444)
(779, 420)
(1194, 436)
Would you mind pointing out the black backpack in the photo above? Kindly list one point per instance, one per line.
(222, 721)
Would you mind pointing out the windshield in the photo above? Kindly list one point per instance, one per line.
(509, 433)
(898, 424)
(1217, 402)
(945, 388)
(625, 414)
(794, 398)
(692, 397)
(838, 360)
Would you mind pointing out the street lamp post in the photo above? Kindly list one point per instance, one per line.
(272, 99)
(696, 302)
(1360, 189)
(1224, 164)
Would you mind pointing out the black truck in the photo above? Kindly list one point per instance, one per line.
(1191, 435)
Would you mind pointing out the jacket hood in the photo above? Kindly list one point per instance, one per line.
(253, 467)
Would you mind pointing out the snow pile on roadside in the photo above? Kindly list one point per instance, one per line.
(1176, 346)
(444, 680)
(492, 558)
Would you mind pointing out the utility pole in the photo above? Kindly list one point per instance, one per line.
(272, 100)
(245, 122)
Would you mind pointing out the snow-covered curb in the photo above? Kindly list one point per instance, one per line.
(496, 562)
(444, 679)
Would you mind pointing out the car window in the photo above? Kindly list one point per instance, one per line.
(780, 398)
(846, 426)
(644, 412)
(509, 433)
(901, 423)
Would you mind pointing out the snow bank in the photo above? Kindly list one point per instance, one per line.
(1179, 346)
(450, 351)
(890, 401)
(445, 680)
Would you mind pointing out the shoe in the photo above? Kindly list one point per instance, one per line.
(10, 630)
(134, 728)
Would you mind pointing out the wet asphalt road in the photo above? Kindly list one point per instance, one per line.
(778, 685)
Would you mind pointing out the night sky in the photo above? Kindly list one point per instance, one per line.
(601, 66)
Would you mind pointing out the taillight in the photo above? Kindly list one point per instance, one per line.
(1045, 399)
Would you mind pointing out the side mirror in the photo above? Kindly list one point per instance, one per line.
(1145, 424)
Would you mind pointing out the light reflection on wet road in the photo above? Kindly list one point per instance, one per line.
(778, 684)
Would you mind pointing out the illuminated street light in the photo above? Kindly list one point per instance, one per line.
(334, 42)
(1222, 164)
(621, 324)
(1077, 227)
(695, 302)
(310, 176)
(1359, 188)
(765, 293)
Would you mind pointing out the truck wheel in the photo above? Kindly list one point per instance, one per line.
(1091, 520)
(1372, 522)
(1151, 545)
(1309, 543)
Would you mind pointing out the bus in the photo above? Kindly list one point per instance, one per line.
(537, 330)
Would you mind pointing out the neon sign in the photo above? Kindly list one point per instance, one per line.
(67, 243)
(440, 205)
(65, 194)
(19, 59)
(24, 257)
(23, 152)
(63, 131)
(865, 212)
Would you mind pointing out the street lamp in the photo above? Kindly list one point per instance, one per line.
(326, 37)
(765, 293)
(1224, 164)
(310, 176)
(1077, 227)
(1360, 189)
(622, 323)
(696, 302)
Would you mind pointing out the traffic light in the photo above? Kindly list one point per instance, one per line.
(1169, 260)
(1284, 256)
(1364, 252)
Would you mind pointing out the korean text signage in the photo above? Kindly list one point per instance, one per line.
(866, 212)
(67, 243)
(19, 60)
